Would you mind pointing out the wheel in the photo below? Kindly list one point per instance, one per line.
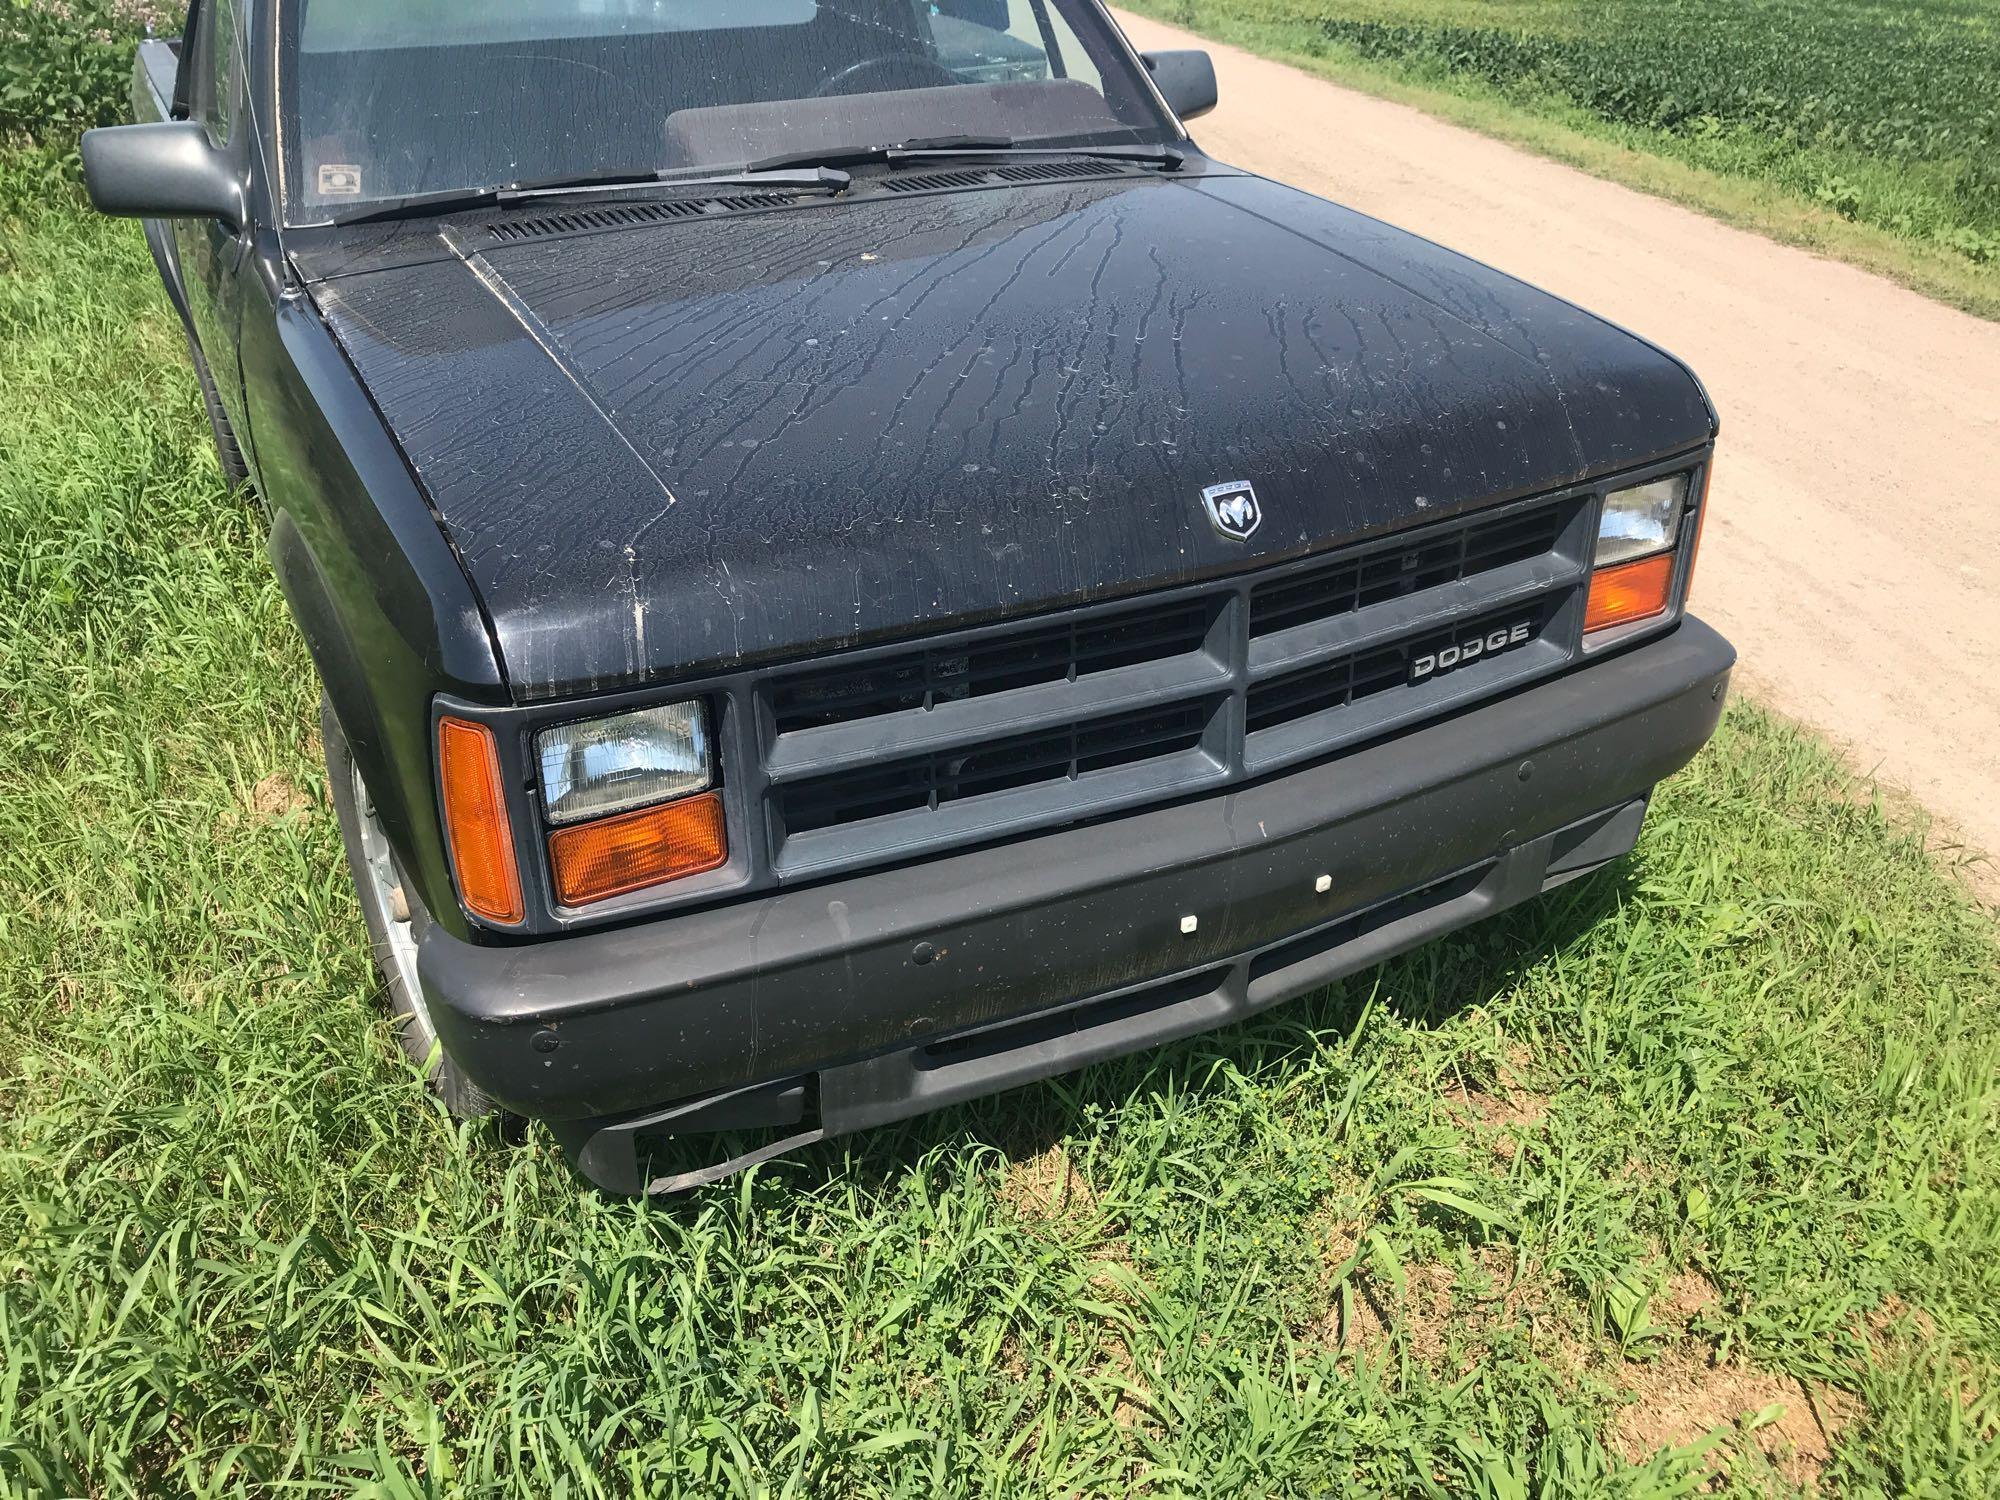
(227, 452)
(394, 917)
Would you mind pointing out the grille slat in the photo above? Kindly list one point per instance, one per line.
(1395, 573)
(940, 675)
(931, 781)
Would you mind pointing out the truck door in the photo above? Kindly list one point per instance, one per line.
(211, 253)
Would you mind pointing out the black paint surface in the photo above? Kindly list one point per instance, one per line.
(673, 448)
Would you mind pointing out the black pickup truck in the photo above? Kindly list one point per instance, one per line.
(852, 566)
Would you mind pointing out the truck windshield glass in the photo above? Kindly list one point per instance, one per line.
(385, 99)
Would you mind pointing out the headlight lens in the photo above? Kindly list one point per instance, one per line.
(1641, 520)
(627, 760)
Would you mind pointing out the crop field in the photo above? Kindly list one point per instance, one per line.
(1883, 115)
(1683, 1176)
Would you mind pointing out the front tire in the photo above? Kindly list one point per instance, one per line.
(228, 452)
(394, 916)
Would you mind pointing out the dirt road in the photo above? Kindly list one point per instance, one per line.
(1853, 553)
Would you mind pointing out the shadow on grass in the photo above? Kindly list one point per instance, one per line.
(1429, 985)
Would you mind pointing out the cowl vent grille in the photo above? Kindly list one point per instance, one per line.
(929, 181)
(1025, 171)
(1052, 171)
(625, 215)
(630, 215)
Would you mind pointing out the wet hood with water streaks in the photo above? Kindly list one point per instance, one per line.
(680, 447)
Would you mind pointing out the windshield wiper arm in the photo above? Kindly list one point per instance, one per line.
(643, 184)
(828, 179)
(861, 156)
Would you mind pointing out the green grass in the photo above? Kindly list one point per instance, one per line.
(1719, 1119)
(1867, 131)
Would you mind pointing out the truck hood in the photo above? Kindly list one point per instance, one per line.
(663, 448)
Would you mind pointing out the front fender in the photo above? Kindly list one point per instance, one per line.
(385, 609)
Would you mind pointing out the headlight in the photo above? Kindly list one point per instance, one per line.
(1643, 519)
(609, 765)
(1632, 572)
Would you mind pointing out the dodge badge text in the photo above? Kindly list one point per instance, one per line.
(1471, 649)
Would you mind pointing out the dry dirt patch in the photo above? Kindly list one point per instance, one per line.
(1512, 1110)
(1677, 1398)
(275, 796)
(1432, 1302)
(1047, 1186)
(1501, 1118)
(1683, 1395)
(1901, 1334)
(1423, 1308)
(1682, 1301)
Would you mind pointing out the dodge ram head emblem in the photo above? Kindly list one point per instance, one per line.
(1232, 509)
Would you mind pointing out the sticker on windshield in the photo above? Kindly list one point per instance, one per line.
(338, 180)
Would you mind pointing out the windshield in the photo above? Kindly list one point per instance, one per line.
(384, 99)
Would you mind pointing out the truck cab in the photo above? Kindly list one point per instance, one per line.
(853, 566)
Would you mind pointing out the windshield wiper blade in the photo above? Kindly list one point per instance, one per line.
(934, 148)
(641, 184)
(861, 156)
(417, 205)
(1168, 157)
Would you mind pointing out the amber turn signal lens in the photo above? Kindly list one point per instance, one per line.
(475, 822)
(1630, 591)
(596, 861)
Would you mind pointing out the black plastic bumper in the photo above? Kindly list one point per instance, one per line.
(899, 991)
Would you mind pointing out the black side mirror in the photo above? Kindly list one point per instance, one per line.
(1186, 80)
(164, 171)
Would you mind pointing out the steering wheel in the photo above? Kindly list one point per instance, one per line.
(574, 67)
(900, 70)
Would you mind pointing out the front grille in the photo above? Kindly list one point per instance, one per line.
(896, 752)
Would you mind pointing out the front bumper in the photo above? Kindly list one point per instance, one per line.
(906, 989)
